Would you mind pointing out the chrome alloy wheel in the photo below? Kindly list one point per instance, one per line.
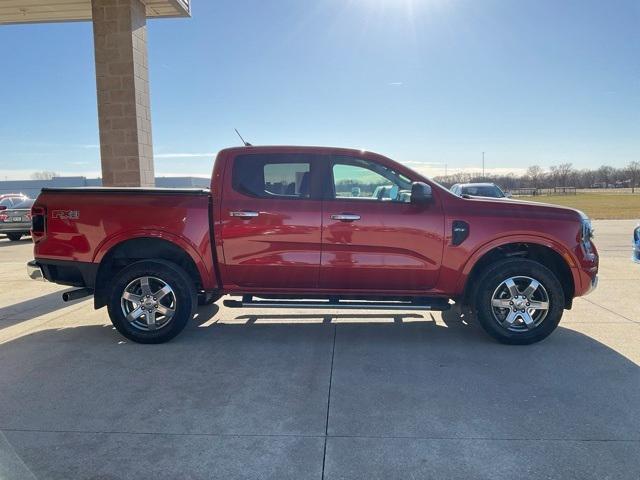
(520, 304)
(148, 303)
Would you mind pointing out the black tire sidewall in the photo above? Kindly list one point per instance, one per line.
(494, 276)
(14, 237)
(169, 273)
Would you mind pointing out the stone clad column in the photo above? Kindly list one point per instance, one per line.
(120, 42)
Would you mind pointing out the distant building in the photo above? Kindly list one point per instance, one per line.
(32, 188)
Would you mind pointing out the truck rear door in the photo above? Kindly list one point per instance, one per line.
(271, 221)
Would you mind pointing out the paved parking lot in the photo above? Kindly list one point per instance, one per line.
(300, 395)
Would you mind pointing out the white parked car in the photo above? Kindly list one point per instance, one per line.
(489, 190)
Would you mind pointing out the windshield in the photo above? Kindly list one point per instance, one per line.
(25, 204)
(483, 191)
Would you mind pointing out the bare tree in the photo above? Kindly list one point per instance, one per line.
(535, 174)
(585, 178)
(605, 174)
(557, 176)
(561, 173)
(633, 170)
(43, 175)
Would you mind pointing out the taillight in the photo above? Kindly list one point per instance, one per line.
(38, 220)
(3, 217)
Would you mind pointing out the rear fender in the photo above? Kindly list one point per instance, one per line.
(205, 268)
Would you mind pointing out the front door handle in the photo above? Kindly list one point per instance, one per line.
(244, 214)
(345, 217)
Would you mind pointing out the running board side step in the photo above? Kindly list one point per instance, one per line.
(437, 305)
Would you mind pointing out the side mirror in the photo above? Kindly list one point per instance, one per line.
(421, 193)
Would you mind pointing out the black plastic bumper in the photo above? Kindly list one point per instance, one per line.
(71, 273)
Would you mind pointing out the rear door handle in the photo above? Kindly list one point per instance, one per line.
(244, 214)
(345, 217)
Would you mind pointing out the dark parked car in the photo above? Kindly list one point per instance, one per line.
(15, 222)
(490, 190)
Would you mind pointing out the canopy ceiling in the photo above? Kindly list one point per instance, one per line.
(34, 11)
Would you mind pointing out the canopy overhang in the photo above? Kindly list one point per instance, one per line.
(39, 11)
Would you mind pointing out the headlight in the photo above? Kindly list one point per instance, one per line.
(586, 234)
(587, 231)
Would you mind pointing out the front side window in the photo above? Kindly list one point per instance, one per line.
(364, 180)
(272, 176)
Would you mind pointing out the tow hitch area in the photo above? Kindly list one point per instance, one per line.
(248, 301)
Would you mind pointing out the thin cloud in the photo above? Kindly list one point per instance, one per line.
(396, 84)
(26, 174)
(182, 175)
(417, 162)
(439, 170)
(184, 155)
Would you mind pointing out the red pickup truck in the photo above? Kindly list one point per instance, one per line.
(311, 227)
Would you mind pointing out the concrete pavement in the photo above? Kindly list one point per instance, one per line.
(300, 395)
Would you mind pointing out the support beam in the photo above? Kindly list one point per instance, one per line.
(120, 42)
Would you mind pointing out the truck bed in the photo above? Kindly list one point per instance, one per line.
(82, 225)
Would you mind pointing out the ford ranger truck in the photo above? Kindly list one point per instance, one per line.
(311, 227)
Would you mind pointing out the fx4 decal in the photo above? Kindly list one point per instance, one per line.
(65, 214)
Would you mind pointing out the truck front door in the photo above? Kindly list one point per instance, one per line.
(374, 238)
(271, 222)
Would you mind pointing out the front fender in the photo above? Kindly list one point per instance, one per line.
(542, 240)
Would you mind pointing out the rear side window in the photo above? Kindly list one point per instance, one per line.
(273, 176)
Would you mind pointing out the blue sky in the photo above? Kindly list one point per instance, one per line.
(426, 82)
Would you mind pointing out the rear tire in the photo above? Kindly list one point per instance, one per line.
(14, 237)
(519, 301)
(151, 301)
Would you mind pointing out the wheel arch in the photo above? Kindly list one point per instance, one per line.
(548, 253)
(120, 254)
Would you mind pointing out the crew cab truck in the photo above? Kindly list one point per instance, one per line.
(308, 227)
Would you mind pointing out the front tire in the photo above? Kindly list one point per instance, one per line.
(151, 301)
(519, 301)
(14, 237)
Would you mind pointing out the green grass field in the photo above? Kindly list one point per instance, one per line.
(598, 206)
